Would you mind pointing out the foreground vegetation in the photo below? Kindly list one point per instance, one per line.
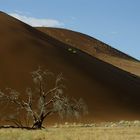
(106, 131)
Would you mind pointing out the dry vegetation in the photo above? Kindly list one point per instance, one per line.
(49, 101)
(105, 131)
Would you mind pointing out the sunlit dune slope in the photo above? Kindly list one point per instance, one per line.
(110, 93)
(95, 48)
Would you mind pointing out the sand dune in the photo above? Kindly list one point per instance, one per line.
(95, 48)
(110, 93)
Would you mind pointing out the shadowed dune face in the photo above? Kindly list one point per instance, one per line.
(95, 48)
(110, 93)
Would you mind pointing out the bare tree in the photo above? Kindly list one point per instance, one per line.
(47, 100)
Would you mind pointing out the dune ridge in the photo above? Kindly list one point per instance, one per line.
(95, 48)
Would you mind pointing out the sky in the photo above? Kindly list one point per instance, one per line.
(115, 22)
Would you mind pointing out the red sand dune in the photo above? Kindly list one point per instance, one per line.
(110, 92)
(95, 48)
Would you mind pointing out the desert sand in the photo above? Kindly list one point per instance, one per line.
(107, 79)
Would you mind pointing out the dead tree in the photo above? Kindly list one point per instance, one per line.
(42, 101)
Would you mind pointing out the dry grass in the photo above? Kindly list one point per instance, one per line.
(74, 132)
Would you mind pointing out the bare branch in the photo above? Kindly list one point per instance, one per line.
(51, 91)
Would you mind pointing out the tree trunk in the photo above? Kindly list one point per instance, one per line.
(37, 125)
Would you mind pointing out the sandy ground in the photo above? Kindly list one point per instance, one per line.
(75, 132)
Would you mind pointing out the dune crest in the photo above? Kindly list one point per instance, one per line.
(95, 48)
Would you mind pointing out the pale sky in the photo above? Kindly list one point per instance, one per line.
(115, 22)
